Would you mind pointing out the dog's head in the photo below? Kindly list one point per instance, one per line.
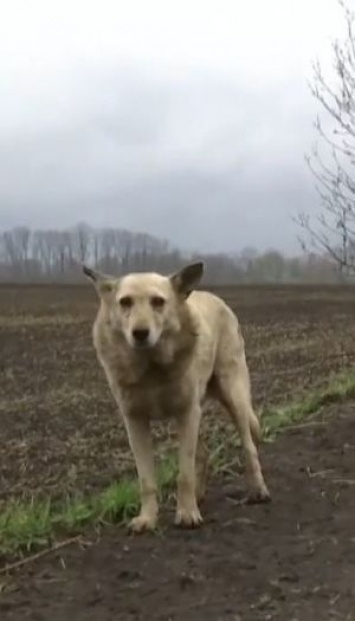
(146, 306)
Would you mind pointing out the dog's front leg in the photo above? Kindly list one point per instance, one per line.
(187, 513)
(140, 440)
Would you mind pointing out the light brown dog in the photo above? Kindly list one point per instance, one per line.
(164, 347)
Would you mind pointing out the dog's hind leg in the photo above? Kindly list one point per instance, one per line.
(187, 512)
(138, 430)
(234, 389)
(202, 464)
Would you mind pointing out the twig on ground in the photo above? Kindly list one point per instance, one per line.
(238, 503)
(320, 473)
(38, 555)
(311, 423)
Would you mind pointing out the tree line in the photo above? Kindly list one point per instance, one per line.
(57, 255)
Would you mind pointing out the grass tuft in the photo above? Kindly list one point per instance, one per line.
(24, 526)
(27, 526)
(339, 388)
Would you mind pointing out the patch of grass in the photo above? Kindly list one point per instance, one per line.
(24, 526)
(27, 526)
(339, 388)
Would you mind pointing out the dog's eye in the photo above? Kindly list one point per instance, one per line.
(157, 302)
(126, 302)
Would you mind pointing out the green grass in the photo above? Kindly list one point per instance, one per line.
(25, 527)
(340, 388)
(28, 526)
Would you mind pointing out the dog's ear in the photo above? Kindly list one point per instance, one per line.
(103, 284)
(185, 281)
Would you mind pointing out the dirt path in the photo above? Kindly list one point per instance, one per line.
(291, 560)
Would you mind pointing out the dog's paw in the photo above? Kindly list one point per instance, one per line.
(188, 518)
(259, 496)
(142, 523)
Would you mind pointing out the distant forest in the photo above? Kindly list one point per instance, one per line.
(56, 256)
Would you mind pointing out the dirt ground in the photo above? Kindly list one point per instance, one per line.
(58, 422)
(293, 559)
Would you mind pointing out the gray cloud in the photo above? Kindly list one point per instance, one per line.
(206, 158)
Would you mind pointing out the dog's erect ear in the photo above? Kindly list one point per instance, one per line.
(186, 280)
(103, 284)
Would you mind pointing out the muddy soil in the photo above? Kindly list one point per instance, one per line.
(291, 560)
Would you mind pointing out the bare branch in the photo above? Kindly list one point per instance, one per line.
(333, 231)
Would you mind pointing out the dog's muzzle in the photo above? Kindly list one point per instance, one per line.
(140, 337)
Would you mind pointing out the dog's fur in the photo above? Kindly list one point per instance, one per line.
(164, 347)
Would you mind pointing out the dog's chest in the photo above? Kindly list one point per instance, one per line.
(158, 397)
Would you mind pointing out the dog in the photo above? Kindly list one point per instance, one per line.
(165, 346)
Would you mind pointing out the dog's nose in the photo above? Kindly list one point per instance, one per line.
(140, 335)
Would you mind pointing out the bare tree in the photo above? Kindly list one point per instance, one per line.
(81, 239)
(333, 157)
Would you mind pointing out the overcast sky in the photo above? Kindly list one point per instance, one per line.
(185, 119)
